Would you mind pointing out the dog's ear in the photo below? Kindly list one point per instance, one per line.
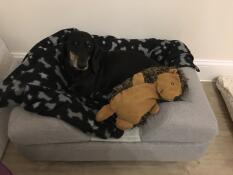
(95, 58)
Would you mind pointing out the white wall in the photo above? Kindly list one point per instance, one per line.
(206, 26)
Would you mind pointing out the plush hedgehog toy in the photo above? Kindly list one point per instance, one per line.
(138, 96)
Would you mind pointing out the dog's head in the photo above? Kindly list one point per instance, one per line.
(81, 48)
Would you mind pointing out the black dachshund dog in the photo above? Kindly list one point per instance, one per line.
(90, 69)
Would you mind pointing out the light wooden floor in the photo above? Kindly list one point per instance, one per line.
(218, 159)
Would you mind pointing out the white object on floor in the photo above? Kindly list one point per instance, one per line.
(131, 135)
(5, 60)
(15, 64)
(5, 64)
(225, 86)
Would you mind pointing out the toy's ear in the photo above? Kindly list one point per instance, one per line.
(173, 71)
(138, 78)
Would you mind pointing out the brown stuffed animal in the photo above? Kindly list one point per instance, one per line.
(133, 103)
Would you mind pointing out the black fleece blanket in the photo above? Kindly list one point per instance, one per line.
(39, 84)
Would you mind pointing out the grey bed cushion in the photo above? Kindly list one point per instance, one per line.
(26, 128)
(191, 120)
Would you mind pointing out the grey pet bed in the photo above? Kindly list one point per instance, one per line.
(181, 131)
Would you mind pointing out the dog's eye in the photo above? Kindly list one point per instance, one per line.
(76, 43)
(88, 44)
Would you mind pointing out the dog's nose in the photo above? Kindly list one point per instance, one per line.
(82, 67)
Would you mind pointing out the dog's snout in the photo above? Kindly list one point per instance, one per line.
(82, 66)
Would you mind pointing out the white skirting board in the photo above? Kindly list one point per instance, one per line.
(210, 68)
